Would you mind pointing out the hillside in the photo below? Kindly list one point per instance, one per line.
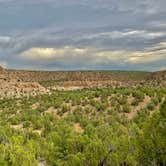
(62, 119)
(21, 82)
(77, 75)
(111, 127)
(159, 75)
(79, 78)
(157, 78)
(13, 86)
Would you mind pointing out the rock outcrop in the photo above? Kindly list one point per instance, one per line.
(12, 86)
(17, 83)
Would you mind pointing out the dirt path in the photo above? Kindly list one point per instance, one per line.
(141, 106)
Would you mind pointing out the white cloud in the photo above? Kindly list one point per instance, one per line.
(51, 53)
(62, 56)
(126, 34)
(93, 56)
(161, 45)
(147, 57)
(39, 53)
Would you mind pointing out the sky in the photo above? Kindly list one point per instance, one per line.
(83, 34)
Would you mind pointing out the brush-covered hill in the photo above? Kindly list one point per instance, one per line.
(23, 82)
(98, 75)
(79, 78)
(122, 126)
(160, 75)
(78, 75)
(157, 78)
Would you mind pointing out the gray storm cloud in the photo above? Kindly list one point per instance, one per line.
(105, 34)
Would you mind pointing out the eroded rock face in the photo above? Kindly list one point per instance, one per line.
(157, 78)
(16, 90)
(12, 86)
(18, 83)
(39, 76)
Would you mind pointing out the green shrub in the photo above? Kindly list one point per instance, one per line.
(38, 124)
(122, 100)
(26, 124)
(138, 95)
(126, 109)
(151, 106)
(155, 101)
(14, 120)
(163, 109)
(135, 102)
(65, 108)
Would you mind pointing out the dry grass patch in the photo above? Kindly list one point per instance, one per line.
(37, 131)
(51, 110)
(134, 109)
(17, 127)
(35, 105)
(78, 128)
(142, 104)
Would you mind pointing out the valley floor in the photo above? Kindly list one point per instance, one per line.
(95, 127)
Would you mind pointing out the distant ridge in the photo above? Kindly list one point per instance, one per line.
(78, 75)
(62, 76)
(23, 82)
(158, 76)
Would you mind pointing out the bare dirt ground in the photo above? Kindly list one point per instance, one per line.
(35, 105)
(135, 109)
(17, 127)
(51, 110)
(78, 128)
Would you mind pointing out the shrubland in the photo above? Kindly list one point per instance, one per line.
(93, 127)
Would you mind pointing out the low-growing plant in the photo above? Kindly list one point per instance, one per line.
(135, 102)
(26, 124)
(151, 106)
(65, 108)
(126, 108)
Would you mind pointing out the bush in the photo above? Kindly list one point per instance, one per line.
(38, 124)
(163, 109)
(122, 100)
(138, 95)
(65, 108)
(14, 121)
(118, 108)
(151, 106)
(135, 102)
(113, 101)
(155, 101)
(126, 109)
(26, 124)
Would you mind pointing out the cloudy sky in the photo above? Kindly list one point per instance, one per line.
(83, 34)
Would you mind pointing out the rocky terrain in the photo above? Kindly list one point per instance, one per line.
(157, 78)
(12, 86)
(39, 76)
(17, 83)
(69, 126)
